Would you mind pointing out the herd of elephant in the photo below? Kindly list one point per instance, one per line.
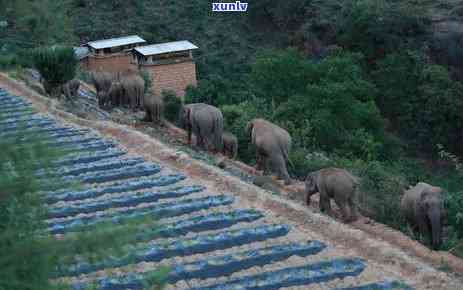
(421, 204)
(122, 89)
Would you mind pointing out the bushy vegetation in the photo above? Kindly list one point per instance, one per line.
(30, 255)
(57, 65)
(377, 28)
(172, 105)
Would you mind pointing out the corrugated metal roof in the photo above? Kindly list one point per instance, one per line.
(113, 42)
(165, 47)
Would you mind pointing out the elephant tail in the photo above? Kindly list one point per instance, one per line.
(286, 156)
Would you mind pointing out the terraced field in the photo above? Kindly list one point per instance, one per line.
(209, 239)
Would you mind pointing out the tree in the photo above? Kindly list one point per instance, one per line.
(338, 106)
(433, 115)
(57, 65)
(376, 28)
(397, 78)
(278, 75)
(421, 101)
(36, 23)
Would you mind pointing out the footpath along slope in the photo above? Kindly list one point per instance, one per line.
(217, 232)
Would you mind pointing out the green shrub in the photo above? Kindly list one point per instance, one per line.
(57, 65)
(7, 61)
(433, 115)
(172, 105)
(421, 101)
(376, 28)
(339, 109)
(216, 91)
(380, 191)
(284, 14)
(148, 81)
(303, 162)
(278, 75)
(397, 78)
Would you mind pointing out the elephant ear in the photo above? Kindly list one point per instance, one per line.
(424, 198)
(310, 182)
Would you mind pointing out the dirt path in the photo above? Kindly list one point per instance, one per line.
(382, 260)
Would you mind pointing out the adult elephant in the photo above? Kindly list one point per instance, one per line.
(115, 94)
(206, 122)
(102, 82)
(422, 207)
(134, 90)
(273, 144)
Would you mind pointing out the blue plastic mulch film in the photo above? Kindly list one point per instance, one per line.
(127, 200)
(163, 210)
(89, 157)
(297, 276)
(139, 184)
(155, 252)
(385, 285)
(213, 221)
(213, 267)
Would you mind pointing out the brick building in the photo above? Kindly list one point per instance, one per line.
(170, 65)
(112, 55)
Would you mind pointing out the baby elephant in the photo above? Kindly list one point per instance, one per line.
(422, 207)
(230, 145)
(334, 183)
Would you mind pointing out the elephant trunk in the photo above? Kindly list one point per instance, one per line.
(434, 218)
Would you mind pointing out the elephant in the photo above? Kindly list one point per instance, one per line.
(115, 94)
(134, 90)
(206, 122)
(337, 184)
(272, 146)
(230, 145)
(71, 89)
(154, 108)
(102, 82)
(422, 207)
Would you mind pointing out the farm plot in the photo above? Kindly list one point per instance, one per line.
(205, 238)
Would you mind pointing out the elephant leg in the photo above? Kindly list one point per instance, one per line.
(267, 166)
(325, 204)
(308, 199)
(200, 143)
(279, 165)
(341, 201)
(148, 116)
(423, 227)
(353, 208)
(259, 161)
(189, 134)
